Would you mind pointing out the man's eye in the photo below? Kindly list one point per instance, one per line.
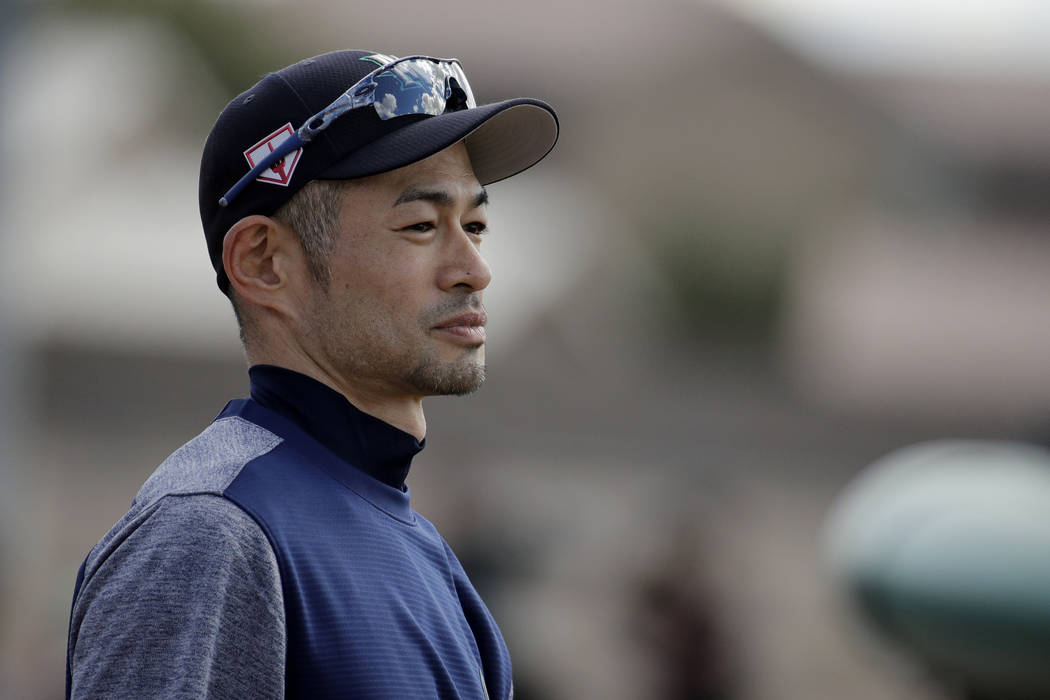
(477, 228)
(421, 227)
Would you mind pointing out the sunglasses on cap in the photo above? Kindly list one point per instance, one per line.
(405, 86)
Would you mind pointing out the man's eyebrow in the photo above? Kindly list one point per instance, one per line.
(438, 197)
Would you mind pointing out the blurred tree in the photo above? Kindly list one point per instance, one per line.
(725, 277)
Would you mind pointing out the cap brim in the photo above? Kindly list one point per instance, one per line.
(502, 139)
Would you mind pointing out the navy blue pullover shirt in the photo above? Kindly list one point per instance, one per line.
(277, 555)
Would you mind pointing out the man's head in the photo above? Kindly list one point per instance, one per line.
(361, 248)
(397, 308)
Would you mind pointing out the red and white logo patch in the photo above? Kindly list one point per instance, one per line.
(280, 173)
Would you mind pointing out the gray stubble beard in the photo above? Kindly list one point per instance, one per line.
(433, 378)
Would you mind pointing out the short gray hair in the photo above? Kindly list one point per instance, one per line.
(313, 213)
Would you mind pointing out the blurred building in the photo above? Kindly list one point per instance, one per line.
(736, 281)
(930, 304)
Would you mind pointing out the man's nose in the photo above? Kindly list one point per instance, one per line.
(464, 264)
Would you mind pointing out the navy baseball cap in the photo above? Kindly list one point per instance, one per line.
(502, 139)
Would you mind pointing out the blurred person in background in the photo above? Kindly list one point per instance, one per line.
(677, 617)
(277, 553)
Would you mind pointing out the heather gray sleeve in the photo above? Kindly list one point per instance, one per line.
(186, 603)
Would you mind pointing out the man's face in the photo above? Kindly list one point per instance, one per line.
(402, 315)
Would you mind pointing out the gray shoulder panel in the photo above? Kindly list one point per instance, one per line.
(209, 462)
(206, 464)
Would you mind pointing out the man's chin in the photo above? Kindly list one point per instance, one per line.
(452, 379)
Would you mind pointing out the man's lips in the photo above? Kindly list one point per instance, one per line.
(468, 328)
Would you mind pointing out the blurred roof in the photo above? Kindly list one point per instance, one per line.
(902, 37)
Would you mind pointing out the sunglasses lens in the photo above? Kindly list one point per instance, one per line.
(419, 87)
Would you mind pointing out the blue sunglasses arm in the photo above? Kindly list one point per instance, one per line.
(289, 145)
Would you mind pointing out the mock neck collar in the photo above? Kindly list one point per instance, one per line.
(362, 440)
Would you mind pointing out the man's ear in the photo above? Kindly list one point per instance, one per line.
(261, 255)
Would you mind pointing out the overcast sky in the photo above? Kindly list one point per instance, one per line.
(925, 36)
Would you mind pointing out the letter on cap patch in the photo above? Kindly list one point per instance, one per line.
(280, 173)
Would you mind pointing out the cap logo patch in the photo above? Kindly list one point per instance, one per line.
(280, 173)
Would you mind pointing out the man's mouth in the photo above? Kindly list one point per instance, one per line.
(466, 328)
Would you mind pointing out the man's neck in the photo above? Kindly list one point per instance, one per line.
(402, 411)
(405, 412)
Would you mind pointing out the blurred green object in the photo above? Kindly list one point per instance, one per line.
(725, 278)
(945, 549)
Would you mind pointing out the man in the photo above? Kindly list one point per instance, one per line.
(277, 553)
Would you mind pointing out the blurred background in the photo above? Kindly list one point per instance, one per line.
(777, 239)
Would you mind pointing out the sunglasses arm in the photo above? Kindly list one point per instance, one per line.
(358, 96)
